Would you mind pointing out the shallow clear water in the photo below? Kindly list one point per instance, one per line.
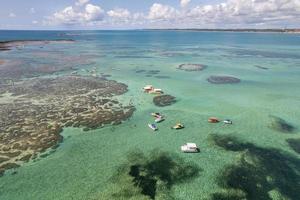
(82, 167)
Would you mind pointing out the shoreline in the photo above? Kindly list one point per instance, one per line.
(290, 31)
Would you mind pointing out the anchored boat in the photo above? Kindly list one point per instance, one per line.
(178, 126)
(227, 121)
(153, 127)
(190, 148)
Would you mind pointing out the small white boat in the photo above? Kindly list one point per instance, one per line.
(190, 148)
(156, 114)
(159, 119)
(227, 121)
(148, 88)
(178, 126)
(156, 91)
(153, 127)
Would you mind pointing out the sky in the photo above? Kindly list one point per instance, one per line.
(139, 14)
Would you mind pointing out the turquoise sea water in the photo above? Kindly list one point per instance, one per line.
(83, 166)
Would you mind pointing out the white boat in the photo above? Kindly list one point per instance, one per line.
(227, 121)
(190, 148)
(153, 127)
(159, 119)
(156, 91)
(148, 88)
(178, 126)
(156, 115)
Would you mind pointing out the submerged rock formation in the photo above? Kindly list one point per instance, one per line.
(280, 125)
(223, 79)
(33, 113)
(151, 176)
(10, 44)
(259, 172)
(191, 67)
(164, 100)
(294, 144)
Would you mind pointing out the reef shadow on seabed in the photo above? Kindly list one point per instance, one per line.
(260, 174)
(152, 176)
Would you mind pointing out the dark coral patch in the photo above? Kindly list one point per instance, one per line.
(223, 80)
(164, 100)
(191, 67)
(294, 144)
(281, 125)
(259, 171)
(153, 174)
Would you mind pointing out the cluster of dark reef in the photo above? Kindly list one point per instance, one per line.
(280, 125)
(164, 100)
(152, 73)
(34, 112)
(223, 80)
(44, 63)
(259, 173)
(191, 67)
(11, 44)
(294, 143)
(152, 176)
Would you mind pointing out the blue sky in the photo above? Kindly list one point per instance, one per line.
(127, 14)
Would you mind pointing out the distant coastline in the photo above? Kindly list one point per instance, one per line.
(296, 30)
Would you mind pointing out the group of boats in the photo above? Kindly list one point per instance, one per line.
(188, 147)
(216, 120)
(151, 90)
(159, 118)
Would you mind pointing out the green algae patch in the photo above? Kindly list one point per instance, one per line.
(152, 176)
(258, 173)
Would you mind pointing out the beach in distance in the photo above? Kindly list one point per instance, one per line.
(197, 114)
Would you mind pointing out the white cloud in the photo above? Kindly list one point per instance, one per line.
(119, 13)
(34, 22)
(12, 15)
(81, 2)
(77, 16)
(184, 3)
(162, 12)
(32, 11)
(227, 14)
(247, 12)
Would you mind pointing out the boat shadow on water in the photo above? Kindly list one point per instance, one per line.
(260, 174)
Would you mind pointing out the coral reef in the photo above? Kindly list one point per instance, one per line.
(223, 79)
(258, 173)
(191, 67)
(164, 100)
(152, 176)
(294, 144)
(35, 111)
(280, 125)
(10, 44)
